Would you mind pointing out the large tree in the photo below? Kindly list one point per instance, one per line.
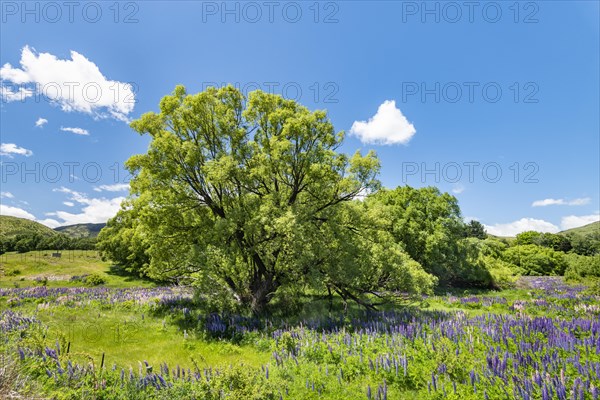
(245, 195)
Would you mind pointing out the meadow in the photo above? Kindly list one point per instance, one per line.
(136, 340)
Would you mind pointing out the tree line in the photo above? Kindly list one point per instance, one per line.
(25, 242)
(250, 200)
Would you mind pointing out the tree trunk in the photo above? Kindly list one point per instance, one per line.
(262, 290)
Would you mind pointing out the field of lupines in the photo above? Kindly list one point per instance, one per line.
(539, 342)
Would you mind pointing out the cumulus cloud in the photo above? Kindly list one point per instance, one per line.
(575, 221)
(9, 95)
(11, 149)
(8, 195)
(41, 122)
(561, 202)
(117, 187)
(522, 225)
(75, 84)
(387, 127)
(49, 222)
(15, 212)
(94, 210)
(77, 131)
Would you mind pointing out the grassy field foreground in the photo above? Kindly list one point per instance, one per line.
(121, 342)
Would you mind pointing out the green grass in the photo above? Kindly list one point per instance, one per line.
(22, 270)
(126, 334)
(127, 339)
(13, 226)
(594, 227)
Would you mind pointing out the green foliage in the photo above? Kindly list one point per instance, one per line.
(532, 259)
(13, 272)
(25, 242)
(244, 197)
(122, 241)
(502, 272)
(475, 229)
(428, 226)
(94, 280)
(583, 268)
(13, 226)
(556, 242)
(528, 237)
(585, 244)
(553, 241)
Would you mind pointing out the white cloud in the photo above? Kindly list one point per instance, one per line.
(15, 212)
(8, 195)
(69, 203)
(575, 221)
(580, 202)
(20, 213)
(522, 225)
(77, 131)
(458, 189)
(50, 223)
(8, 95)
(561, 202)
(117, 187)
(94, 210)
(41, 122)
(74, 84)
(10, 149)
(388, 126)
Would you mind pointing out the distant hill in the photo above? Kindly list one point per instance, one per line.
(13, 226)
(594, 227)
(81, 230)
(509, 238)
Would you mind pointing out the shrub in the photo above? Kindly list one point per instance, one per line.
(536, 260)
(41, 281)
(582, 267)
(94, 280)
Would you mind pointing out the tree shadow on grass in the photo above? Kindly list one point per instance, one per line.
(117, 270)
(317, 314)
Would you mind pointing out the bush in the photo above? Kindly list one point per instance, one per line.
(536, 260)
(94, 280)
(582, 268)
(501, 271)
(13, 272)
(41, 281)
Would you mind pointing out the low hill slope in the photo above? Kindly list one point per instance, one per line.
(13, 226)
(81, 230)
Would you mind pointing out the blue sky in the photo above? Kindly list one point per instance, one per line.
(495, 102)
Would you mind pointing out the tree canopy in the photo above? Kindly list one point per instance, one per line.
(244, 196)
